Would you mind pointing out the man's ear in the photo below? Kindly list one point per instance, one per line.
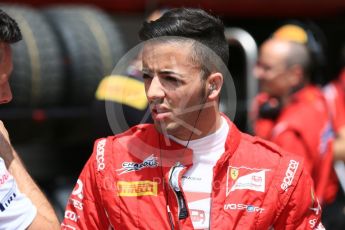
(214, 84)
(296, 77)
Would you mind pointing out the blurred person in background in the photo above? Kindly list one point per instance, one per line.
(22, 203)
(334, 92)
(192, 168)
(291, 110)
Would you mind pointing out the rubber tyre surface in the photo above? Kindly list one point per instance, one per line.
(91, 44)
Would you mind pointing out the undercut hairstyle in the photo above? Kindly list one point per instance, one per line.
(9, 30)
(300, 55)
(191, 24)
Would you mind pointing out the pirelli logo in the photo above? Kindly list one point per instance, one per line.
(137, 188)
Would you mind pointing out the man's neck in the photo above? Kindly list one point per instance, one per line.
(289, 97)
(208, 123)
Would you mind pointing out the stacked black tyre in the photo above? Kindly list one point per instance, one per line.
(91, 46)
(37, 78)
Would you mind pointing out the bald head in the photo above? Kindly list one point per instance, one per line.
(282, 67)
(289, 53)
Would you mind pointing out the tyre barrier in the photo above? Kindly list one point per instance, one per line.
(91, 45)
(37, 77)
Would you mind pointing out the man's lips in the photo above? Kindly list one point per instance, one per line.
(159, 113)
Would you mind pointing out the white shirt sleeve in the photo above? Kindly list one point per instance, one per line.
(16, 210)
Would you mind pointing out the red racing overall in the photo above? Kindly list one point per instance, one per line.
(256, 185)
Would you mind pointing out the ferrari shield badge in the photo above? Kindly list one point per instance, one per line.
(245, 178)
(234, 173)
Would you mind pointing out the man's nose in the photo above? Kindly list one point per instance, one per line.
(155, 89)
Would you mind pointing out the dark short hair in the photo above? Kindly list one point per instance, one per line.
(195, 24)
(9, 30)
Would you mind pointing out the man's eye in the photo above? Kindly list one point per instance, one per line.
(171, 79)
(146, 76)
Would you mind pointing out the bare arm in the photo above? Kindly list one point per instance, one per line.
(46, 217)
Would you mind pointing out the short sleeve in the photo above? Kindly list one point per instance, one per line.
(16, 210)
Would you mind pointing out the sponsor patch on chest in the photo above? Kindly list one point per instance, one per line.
(149, 162)
(246, 207)
(245, 178)
(137, 188)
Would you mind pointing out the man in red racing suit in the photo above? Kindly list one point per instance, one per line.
(139, 200)
(192, 168)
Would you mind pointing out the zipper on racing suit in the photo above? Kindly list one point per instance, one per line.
(175, 186)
